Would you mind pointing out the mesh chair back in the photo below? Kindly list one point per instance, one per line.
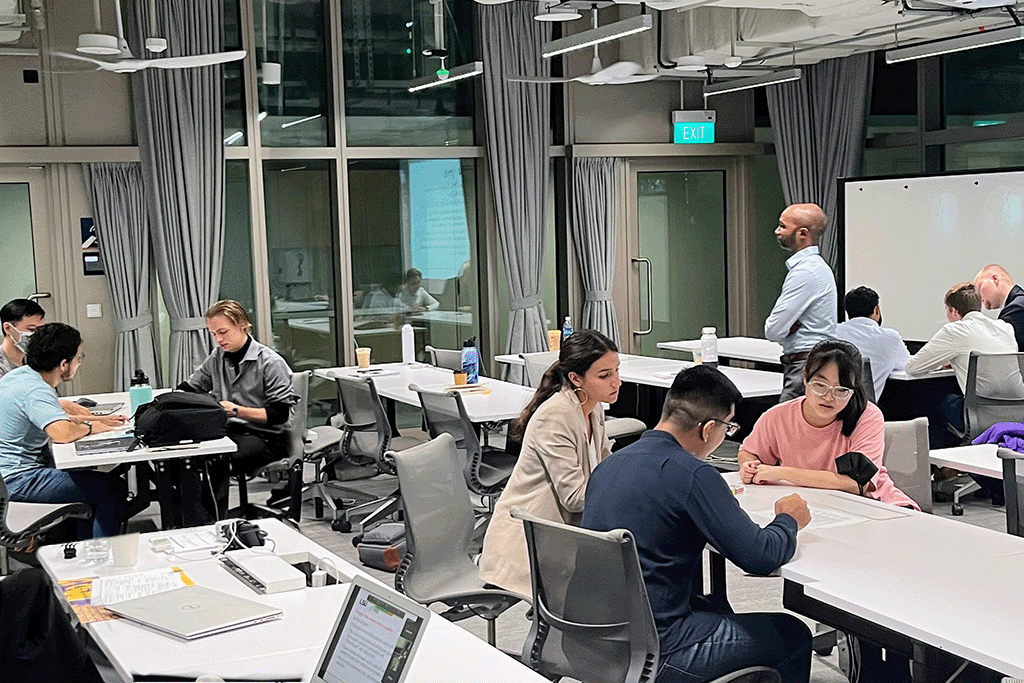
(995, 391)
(1013, 488)
(906, 459)
(367, 429)
(297, 424)
(592, 619)
(445, 358)
(445, 413)
(536, 364)
(868, 382)
(438, 517)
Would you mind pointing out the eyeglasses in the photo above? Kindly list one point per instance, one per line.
(822, 389)
(730, 427)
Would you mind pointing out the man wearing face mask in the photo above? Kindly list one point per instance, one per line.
(31, 417)
(20, 317)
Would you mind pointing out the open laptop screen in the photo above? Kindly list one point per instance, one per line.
(374, 639)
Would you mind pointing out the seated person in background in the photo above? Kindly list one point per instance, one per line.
(997, 290)
(412, 294)
(674, 504)
(384, 294)
(884, 347)
(31, 417)
(562, 432)
(968, 330)
(254, 384)
(830, 438)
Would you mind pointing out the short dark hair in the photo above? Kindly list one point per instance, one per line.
(15, 310)
(699, 394)
(413, 272)
(860, 302)
(850, 365)
(52, 344)
(963, 298)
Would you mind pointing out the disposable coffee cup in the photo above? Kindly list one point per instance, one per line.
(363, 356)
(125, 550)
(460, 377)
(554, 340)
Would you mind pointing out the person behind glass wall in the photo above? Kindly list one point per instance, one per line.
(563, 440)
(385, 294)
(413, 295)
(254, 385)
(31, 418)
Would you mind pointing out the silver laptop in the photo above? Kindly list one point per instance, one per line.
(194, 612)
(375, 637)
(113, 444)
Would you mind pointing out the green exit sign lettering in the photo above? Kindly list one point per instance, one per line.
(693, 127)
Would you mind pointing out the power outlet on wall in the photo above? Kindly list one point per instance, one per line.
(93, 311)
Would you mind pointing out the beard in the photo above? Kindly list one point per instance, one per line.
(787, 242)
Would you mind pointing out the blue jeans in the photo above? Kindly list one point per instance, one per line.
(773, 639)
(106, 493)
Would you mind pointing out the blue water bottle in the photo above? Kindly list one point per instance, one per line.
(470, 361)
(139, 393)
(566, 328)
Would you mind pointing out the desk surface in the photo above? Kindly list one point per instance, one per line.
(505, 402)
(763, 351)
(286, 647)
(904, 570)
(65, 455)
(980, 459)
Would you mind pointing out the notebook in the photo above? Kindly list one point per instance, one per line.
(194, 612)
(375, 637)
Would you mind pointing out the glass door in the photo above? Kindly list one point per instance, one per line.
(677, 255)
(23, 245)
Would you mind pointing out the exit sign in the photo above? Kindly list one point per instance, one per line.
(693, 127)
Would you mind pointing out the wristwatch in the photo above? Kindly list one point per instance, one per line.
(234, 412)
(89, 425)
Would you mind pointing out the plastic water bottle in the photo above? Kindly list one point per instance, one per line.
(139, 393)
(709, 347)
(471, 361)
(408, 344)
(567, 328)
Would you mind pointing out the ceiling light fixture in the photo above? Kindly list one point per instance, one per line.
(457, 73)
(552, 12)
(596, 36)
(944, 46)
(736, 84)
(296, 122)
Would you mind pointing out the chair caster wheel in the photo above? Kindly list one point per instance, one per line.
(342, 525)
(356, 540)
(957, 510)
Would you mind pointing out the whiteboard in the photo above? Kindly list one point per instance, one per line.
(911, 239)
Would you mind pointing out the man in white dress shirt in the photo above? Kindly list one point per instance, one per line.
(968, 330)
(882, 346)
(414, 296)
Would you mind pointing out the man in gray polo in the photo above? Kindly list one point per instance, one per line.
(805, 312)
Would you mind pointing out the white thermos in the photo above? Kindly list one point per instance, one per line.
(408, 344)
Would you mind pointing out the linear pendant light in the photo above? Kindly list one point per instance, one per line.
(944, 46)
(773, 78)
(596, 36)
(456, 74)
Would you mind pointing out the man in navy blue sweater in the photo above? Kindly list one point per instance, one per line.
(674, 504)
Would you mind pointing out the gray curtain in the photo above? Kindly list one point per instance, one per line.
(178, 115)
(122, 228)
(819, 123)
(517, 142)
(595, 195)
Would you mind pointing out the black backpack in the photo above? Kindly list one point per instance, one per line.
(179, 417)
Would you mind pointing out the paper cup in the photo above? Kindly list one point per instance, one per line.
(554, 340)
(125, 550)
(460, 377)
(363, 356)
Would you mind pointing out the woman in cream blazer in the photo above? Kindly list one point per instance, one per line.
(563, 437)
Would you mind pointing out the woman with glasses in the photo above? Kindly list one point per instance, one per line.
(562, 432)
(830, 438)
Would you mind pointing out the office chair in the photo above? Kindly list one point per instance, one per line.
(536, 364)
(368, 438)
(438, 529)
(868, 381)
(906, 459)
(1013, 490)
(19, 522)
(591, 617)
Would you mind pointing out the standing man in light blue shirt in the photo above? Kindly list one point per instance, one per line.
(805, 312)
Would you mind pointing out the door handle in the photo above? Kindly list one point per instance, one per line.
(40, 295)
(650, 305)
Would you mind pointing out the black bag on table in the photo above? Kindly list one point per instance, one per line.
(179, 417)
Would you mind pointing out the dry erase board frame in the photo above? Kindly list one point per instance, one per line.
(911, 291)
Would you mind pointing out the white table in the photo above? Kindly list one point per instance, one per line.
(927, 579)
(757, 350)
(505, 402)
(288, 647)
(516, 359)
(980, 459)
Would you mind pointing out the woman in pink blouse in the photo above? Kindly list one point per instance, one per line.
(830, 438)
